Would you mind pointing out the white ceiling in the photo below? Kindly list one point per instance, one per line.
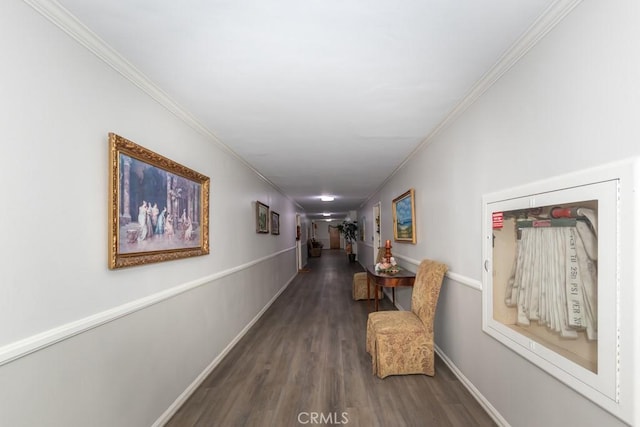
(319, 96)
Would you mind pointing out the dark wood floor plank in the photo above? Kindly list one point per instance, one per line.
(306, 357)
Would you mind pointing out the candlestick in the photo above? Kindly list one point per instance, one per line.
(387, 251)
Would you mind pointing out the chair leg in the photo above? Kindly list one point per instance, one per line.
(371, 347)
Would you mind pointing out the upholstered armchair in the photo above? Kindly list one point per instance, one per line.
(401, 342)
(314, 248)
(359, 286)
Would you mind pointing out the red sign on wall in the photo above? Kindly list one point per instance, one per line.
(497, 218)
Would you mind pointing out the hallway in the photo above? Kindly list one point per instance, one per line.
(306, 358)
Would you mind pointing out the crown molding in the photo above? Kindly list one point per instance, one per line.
(551, 17)
(62, 18)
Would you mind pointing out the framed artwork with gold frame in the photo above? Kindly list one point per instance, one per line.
(158, 209)
(404, 217)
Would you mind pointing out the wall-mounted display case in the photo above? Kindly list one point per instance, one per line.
(558, 256)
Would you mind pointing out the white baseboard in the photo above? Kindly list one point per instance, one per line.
(488, 407)
(493, 413)
(177, 404)
(171, 410)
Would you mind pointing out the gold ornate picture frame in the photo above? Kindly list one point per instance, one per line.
(158, 209)
(404, 217)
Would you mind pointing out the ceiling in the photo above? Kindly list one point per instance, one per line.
(318, 96)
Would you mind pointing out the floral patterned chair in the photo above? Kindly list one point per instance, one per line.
(401, 342)
(359, 287)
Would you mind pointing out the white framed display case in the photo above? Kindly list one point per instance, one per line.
(560, 282)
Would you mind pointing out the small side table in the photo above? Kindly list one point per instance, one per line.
(387, 280)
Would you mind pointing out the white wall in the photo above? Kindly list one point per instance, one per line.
(322, 232)
(81, 344)
(305, 228)
(571, 103)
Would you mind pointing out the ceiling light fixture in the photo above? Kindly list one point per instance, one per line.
(327, 198)
(326, 214)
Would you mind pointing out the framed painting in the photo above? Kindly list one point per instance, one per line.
(158, 209)
(404, 217)
(262, 217)
(275, 223)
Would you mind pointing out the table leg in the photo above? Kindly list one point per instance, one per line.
(376, 296)
(393, 293)
(368, 294)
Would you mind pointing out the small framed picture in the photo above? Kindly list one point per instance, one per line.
(275, 223)
(262, 218)
(404, 218)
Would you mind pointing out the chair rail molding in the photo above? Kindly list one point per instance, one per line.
(34, 343)
(456, 277)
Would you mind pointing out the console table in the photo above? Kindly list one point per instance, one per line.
(387, 280)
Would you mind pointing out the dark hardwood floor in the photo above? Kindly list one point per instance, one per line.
(304, 363)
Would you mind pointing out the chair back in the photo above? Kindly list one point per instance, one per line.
(426, 289)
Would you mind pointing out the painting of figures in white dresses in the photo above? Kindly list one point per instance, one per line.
(160, 208)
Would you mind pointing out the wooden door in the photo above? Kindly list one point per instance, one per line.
(334, 237)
